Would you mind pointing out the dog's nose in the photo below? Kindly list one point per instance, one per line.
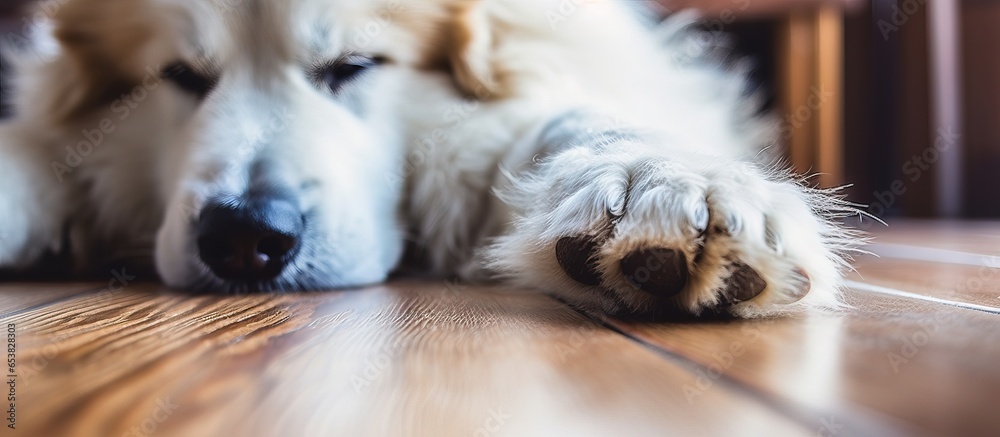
(252, 239)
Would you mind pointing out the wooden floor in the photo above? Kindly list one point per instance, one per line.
(919, 354)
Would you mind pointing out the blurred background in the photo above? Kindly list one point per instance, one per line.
(898, 98)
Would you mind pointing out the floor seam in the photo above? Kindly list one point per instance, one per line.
(907, 252)
(871, 288)
(807, 418)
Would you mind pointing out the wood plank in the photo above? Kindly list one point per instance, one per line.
(976, 285)
(16, 297)
(402, 359)
(925, 364)
(981, 238)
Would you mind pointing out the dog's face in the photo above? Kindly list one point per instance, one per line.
(279, 167)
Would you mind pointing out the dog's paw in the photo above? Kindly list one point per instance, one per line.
(633, 231)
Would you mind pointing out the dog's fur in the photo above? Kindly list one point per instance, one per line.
(493, 129)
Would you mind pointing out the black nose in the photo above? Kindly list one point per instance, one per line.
(251, 239)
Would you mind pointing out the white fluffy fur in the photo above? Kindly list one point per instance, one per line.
(666, 125)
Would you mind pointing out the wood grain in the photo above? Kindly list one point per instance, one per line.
(439, 359)
(977, 285)
(405, 359)
(981, 238)
(908, 363)
(16, 297)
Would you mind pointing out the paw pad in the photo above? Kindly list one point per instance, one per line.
(743, 284)
(660, 272)
(576, 257)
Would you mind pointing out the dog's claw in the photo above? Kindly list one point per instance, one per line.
(660, 272)
(699, 219)
(576, 257)
(743, 284)
(799, 287)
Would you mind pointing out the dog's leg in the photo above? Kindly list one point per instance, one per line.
(626, 221)
(32, 201)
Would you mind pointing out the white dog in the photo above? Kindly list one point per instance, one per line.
(258, 145)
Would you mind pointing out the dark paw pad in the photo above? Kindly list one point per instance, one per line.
(576, 257)
(743, 284)
(660, 272)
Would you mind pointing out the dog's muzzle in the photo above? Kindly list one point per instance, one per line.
(252, 238)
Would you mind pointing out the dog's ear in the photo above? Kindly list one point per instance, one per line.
(97, 37)
(469, 45)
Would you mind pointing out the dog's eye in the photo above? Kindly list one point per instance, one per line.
(187, 79)
(340, 72)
